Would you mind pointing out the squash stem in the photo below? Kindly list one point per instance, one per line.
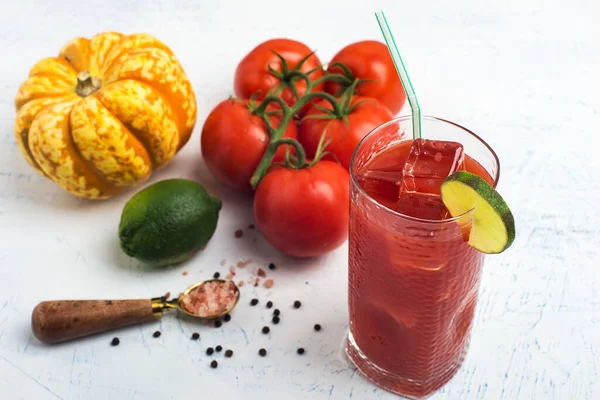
(86, 84)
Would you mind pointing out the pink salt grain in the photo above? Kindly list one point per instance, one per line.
(261, 273)
(232, 269)
(211, 298)
(242, 264)
(269, 283)
(241, 283)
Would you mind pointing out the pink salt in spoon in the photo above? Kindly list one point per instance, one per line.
(61, 320)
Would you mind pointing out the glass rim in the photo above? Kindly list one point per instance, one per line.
(405, 216)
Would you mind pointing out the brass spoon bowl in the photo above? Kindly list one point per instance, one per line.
(161, 304)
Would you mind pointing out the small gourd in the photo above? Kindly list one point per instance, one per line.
(105, 113)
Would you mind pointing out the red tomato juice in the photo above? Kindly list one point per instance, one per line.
(413, 283)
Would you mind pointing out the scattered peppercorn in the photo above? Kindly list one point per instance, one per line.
(262, 352)
(210, 351)
(214, 364)
(216, 275)
(317, 327)
(239, 233)
(115, 342)
(253, 302)
(195, 336)
(226, 317)
(271, 266)
(300, 351)
(269, 304)
(276, 311)
(265, 329)
(218, 324)
(276, 320)
(228, 353)
(251, 226)
(156, 334)
(297, 304)
(218, 348)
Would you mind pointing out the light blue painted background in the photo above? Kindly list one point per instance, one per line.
(523, 74)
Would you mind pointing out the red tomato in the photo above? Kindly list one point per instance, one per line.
(370, 59)
(304, 212)
(233, 142)
(253, 74)
(367, 115)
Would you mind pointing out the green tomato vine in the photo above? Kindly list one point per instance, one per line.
(340, 108)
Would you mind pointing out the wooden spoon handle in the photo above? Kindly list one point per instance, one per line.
(62, 320)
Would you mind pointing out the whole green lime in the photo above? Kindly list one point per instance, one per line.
(168, 222)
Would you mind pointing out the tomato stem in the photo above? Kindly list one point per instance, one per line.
(315, 95)
(262, 107)
(348, 81)
(300, 155)
(320, 152)
(346, 97)
(276, 135)
(347, 73)
(287, 116)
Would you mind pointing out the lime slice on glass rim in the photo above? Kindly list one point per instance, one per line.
(493, 225)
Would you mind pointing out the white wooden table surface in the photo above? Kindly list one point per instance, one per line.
(523, 74)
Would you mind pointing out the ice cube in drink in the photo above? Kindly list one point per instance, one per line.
(385, 184)
(429, 162)
(421, 205)
(383, 178)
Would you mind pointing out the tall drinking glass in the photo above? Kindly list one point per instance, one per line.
(413, 282)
